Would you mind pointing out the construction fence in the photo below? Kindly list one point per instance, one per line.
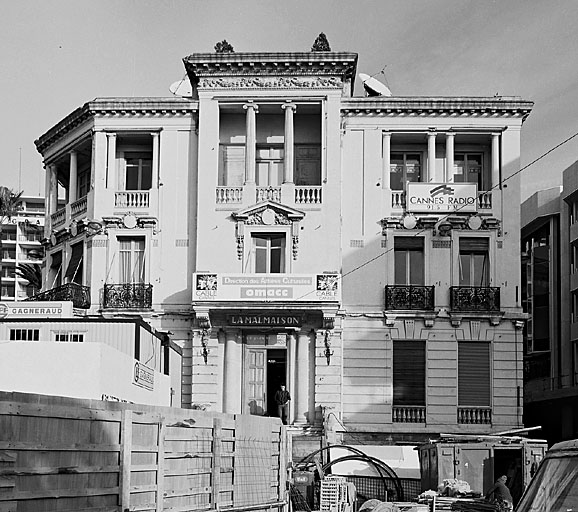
(62, 454)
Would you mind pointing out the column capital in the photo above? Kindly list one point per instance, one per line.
(289, 107)
(386, 133)
(251, 105)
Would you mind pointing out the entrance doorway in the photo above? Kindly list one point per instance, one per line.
(509, 462)
(265, 370)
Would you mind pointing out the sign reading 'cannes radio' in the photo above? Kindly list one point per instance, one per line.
(442, 197)
(267, 287)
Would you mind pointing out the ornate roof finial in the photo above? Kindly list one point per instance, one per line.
(224, 47)
(321, 44)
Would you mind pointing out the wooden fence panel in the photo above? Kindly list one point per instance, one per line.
(64, 455)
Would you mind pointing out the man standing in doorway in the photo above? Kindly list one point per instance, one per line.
(282, 399)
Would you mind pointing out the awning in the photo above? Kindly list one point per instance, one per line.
(75, 261)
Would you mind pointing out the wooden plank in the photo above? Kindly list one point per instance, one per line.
(52, 411)
(161, 465)
(16, 445)
(8, 506)
(59, 493)
(216, 474)
(57, 470)
(283, 457)
(125, 459)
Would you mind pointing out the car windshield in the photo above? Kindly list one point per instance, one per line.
(554, 488)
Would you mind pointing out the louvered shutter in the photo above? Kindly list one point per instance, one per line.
(474, 386)
(409, 372)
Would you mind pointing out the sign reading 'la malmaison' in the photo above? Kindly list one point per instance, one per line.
(266, 320)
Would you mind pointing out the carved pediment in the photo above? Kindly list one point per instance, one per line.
(268, 213)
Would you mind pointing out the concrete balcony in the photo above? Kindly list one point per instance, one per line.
(308, 194)
(132, 199)
(474, 415)
(408, 414)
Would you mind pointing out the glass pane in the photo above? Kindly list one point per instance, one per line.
(465, 270)
(276, 174)
(276, 153)
(131, 175)
(400, 264)
(276, 260)
(396, 177)
(262, 174)
(260, 241)
(260, 260)
(480, 270)
(416, 268)
(146, 175)
(413, 172)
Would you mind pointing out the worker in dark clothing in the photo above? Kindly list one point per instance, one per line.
(282, 399)
(500, 494)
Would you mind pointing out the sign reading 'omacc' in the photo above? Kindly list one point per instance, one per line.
(442, 197)
(267, 287)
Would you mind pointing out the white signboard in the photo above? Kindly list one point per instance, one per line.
(144, 376)
(267, 287)
(442, 197)
(33, 309)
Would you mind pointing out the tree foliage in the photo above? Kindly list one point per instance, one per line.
(9, 206)
(31, 272)
(224, 47)
(321, 44)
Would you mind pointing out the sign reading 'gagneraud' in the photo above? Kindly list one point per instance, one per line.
(442, 197)
(267, 287)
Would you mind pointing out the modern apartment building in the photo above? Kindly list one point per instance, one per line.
(21, 243)
(550, 296)
(362, 250)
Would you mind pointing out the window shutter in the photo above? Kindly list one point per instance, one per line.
(75, 262)
(474, 244)
(474, 387)
(409, 372)
(408, 242)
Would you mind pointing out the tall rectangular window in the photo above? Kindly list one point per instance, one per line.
(404, 167)
(409, 260)
(409, 373)
(474, 262)
(83, 183)
(269, 172)
(468, 168)
(55, 274)
(307, 165)
(474, 384)
(74, 270)
(132, 260)
(231, 165)
(268, 253)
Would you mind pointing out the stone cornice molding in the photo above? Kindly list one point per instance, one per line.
(271, 82)
(436, 106)
(116, 107)
(199, 65)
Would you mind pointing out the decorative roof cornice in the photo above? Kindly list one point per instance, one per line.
(265, 63)
(116, 107)
(500, 106)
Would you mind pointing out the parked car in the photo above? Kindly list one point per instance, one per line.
(554, 487)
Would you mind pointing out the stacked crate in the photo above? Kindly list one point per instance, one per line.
(335, 495)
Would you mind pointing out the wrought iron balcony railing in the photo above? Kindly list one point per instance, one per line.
(128, 296)
(475, 298)
(409, 297)
(78, 294)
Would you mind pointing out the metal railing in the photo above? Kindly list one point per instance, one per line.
(475, 415)
(408, 414)
(409, 297)
(475, 298)
(309, 194)
(128, 296)
(77, 293)
(132, 199)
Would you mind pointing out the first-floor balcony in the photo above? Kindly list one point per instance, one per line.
(475, 298)
(408, 414)
(409, 297)
(128, 296)
(78, 294)
(132, 199)
(303, 194)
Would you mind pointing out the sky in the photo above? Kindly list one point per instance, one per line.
(56, 55)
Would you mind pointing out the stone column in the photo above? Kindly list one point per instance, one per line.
(495, 160)
(111, 161)
(386, 150)
(73, 176)
(155, 162)
(431, 156)
(250, 141)
(53, 189)
(289, 158)
(232, 372)
(450, 138)
(291, 364)
(302, 378)
(47, 199)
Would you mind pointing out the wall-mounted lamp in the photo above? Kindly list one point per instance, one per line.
(205, 350)
(327, 342)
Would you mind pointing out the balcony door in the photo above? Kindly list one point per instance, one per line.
(474, 262)
(135, 172)
(404, 167)
(269, 166)
(409, 260)
(131, 260)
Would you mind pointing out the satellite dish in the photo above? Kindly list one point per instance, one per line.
(181, 87)
(374, 87)
(409, 222)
